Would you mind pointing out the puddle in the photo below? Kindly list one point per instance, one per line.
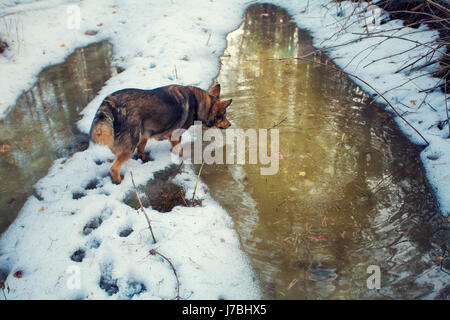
(350, 191)
(41, 127)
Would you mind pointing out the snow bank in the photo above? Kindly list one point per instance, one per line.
(159, 43)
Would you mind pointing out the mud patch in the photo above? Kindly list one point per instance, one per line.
(160, 193)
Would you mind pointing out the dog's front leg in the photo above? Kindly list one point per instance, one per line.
(115, 169)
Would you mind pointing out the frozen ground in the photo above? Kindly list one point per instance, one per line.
(158, 43)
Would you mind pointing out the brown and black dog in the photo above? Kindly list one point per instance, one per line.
(127, 118)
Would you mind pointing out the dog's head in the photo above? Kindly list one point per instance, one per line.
(217, 115)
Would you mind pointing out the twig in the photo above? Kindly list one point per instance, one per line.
(2, 286)
(196, 183)
(446, 107)
(142, 208)
(153, 252)
(278, 123)
(182, 197)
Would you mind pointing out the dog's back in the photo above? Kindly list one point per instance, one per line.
(127, 114)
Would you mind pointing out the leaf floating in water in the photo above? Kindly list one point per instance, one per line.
(413, 102)
(317, 239)
(5, 148)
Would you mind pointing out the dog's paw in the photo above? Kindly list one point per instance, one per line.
(118, 179)
(177, 150)
(145, 157)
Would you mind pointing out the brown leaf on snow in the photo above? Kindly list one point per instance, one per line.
(18, 274)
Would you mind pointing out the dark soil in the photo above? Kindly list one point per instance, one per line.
(160, 192)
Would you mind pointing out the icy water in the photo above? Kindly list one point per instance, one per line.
(350, 191)
(41, 127)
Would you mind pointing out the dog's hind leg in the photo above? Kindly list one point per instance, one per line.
(122, 157)
(141, 148)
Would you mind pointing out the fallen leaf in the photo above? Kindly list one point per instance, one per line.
(413, 102)
(270, 92)
(317, 239)
(42, 209)
(18, 274)
(281, 155)
(302, 173)
(63, 45)
(5, 148)
(100, 24)
(11, 201)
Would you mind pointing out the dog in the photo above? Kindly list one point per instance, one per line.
(127, 118)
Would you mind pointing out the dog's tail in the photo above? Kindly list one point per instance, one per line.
(102, 129)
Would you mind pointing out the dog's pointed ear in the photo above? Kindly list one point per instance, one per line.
(215, 91)
(226, 103)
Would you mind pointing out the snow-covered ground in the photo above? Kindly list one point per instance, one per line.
(159, 43)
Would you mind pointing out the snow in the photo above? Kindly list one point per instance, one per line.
(160, 43)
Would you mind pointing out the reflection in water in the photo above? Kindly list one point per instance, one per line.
(41, 127)
(350, 191)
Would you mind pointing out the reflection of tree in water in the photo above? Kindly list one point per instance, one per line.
(373, 196)
(41, 127)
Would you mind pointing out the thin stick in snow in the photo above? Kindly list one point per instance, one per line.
(142, 208)
(153, 252)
